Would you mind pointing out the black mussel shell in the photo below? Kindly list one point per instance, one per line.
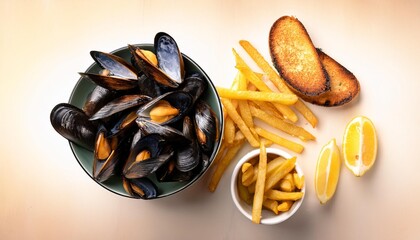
(142, 188)
(115, 64)
(73, 124)
(171, 135)
(169, 57)
(195, 85)
(141, 61)
(149, 87)
(159, 151)
(97, 99)
(119, 104)
(126, 122)
(111, 82)
(188, 156)
(136, 137)
(169, 173)
(105, 168)
(206, 126)
(180, 100)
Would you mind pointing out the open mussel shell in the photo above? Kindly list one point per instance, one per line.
(73, 124)
(159, 151)
(169, 57)
(206, 126)
(171, 135)
(111, 82)
(115, 64)
(109, 154)
(143, 188)
(148, 68)
(119, 104)
(189, 155)
(177, 99)
(126, 122)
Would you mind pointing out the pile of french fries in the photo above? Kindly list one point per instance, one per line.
(269, 182)
(250, 98)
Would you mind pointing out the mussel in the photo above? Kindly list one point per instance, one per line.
(169, 57)
(171, 135)
(167, 108)
(194, 85)
(116, 65)
(170, 69)
(111, 82)
(149, 153)
(119, 104)
(73, 124)
(189, 155)
(97, 99)
(109, 154)
(206, 126)
(143, 188)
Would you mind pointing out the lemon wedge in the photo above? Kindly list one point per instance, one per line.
(327, 171)
(359, 145)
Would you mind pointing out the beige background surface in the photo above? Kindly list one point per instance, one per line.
(44, 194)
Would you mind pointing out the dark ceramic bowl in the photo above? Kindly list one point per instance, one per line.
(114, 184)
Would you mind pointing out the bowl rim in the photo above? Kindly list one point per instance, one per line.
(238, 202)
(216, 148)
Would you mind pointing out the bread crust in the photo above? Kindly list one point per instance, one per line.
(296, 59)
(344, 85)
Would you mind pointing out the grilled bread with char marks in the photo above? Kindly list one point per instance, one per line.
(309, 72)
(295, 57)
(344, 85)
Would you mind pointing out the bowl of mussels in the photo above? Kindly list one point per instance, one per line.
(143, 121)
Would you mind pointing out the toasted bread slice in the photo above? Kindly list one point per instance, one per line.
(295, 57)
(344, 85)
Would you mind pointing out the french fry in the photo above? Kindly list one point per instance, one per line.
(259, 185)
(268, 108)
(253, 161)
(229, 133)
(283, 196)
(271, 205)
(296, 147)
(251, 188)
(281, 124)
(260, 85)
(306, 113)
(243, 191)
(289, 177)
(246, 166)
(285, 206)
(243, 105)
(286, 185)
(239, 122)
(235, 82)
(255, 134)
(286, 99)
(271, 167)
(246, 113)
(277, 80)
(298, 180)
(251, 87)
(223, 164)
(248, 173)
(280, 172)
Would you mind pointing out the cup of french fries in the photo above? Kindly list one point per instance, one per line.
(267, 185)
